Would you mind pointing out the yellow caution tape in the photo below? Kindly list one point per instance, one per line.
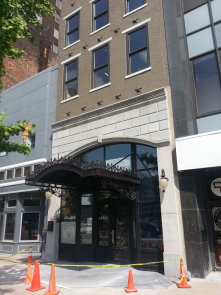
(27, 248)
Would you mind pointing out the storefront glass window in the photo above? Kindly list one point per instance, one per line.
(149, 188)
(32, 202)
(10, 226)
(29, 228)
(12, 203)
(146, 157)
(116, 152)
(86, 219)
(151, 236)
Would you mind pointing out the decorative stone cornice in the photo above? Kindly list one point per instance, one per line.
(158, 93)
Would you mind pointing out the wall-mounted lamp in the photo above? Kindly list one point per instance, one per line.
(163, 182)
(48, 195)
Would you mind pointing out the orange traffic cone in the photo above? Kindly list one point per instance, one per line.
(130, 286)
(28, 276)
(160, 245)
(36, 282)
(52, 284)
(146, 245)
(30, 256)
(183, 280)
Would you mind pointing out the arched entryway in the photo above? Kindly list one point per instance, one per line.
(114, 215)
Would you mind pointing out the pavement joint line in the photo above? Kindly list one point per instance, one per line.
(59, 286)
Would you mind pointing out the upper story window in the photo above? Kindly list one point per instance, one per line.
(101, 66)
(57, 17)
(55, 48)
(17, 172)
(58, 3)
(31, 140)
(71, 80)
(9, 174)
(137, 48)
(72, 29)
(133, 4)
(2, 175)
(56, 33)
(100, 14)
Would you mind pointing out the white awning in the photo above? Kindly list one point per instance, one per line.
(199, 151)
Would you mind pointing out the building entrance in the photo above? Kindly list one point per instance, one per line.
(113, 232)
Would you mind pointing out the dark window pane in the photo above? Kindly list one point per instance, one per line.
(12, 203)
(101, 57)
(137, 40)
(17, 172)
(87, 199)
(149, 187)
(101, 77)
(133, 4)
(100, 7)
(116, 152)
(37, 168)
(72, 37)
(71, 89)
(95, 155)
(73, 23)
(27, 170)
(138, 61)
(86, 225)
(9, 174)
(10, 226)
(29, 230)
(71, 71)
(151, 236)
(1, 175)
(148, 155)
(101, 21)
(207, 83)
(31, 202)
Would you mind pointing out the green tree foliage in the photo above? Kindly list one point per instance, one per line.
(13, 130)
(15, 15)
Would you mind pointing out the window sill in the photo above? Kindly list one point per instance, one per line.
(71, 44)
(137, 73)
(71, 98)
(129, 13)
(100, 29)
(100, 87)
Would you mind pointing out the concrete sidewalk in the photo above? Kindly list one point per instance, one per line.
(101, 281)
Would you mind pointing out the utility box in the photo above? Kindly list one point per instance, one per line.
(50, 225)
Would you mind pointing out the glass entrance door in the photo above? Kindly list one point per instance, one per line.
(113, 244)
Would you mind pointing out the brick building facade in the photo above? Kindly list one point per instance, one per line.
(38, 56)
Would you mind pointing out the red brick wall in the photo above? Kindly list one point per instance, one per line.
(20, 70)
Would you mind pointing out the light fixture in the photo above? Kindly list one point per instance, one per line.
(48, 195)
(163, 182)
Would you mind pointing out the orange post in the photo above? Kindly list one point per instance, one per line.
(130, 286)
(146, 245)
(36, 281)
(28, 276)
(52, 283)
(183, 281)
(160, 245)
(30, 256)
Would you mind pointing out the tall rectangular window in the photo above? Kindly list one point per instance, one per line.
(137, 48)
(31, 140)
(9, 174)
(2, 174)
(57, 17)
(17, 172)
(133, 4)
(58, 3)
(100, 14)
(10, 226)
(56, 33)
(29, 227)
(55, 48)
(207, 83)
(71, 83)
(72, 29)
(101, 66)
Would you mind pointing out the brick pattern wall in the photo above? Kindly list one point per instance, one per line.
(148, 122)
(155, 78)
(20, 70)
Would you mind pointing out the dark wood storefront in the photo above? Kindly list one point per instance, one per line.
(113, 215)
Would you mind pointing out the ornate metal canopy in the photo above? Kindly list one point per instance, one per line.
(71, 173)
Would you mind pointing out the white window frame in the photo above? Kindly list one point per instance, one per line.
(23, 170)
(39, 212)
(55, 31)
(59, 6)
(11, 200)
(3, 238)
(55, 17)
(15, 170)
(6, 174)
(3, 175)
